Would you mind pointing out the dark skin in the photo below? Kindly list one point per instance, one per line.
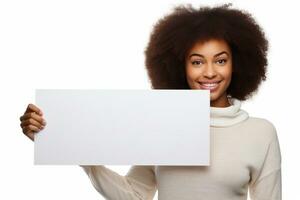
(32, 121)
(209, 67)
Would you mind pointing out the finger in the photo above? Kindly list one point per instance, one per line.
(31, 121)
(30, 129)
(33, 108)
(34, 116)
(28, 133)
(34, 128)
(27, 130)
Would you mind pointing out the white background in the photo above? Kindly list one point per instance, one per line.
(99, 44)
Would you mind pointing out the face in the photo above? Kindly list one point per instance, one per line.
(208, 66)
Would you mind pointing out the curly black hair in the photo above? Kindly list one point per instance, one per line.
(174, 35)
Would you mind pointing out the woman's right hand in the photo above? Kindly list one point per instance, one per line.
(32, 121)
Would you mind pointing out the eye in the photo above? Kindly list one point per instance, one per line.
(221, 61)
(196, 62)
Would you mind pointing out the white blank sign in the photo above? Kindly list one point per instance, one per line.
(123, 127)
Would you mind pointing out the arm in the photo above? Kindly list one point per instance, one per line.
(267, 185)
(138, 184)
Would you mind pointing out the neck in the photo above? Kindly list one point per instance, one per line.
(220, 102)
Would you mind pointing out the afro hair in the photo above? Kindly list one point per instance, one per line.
(175, 34)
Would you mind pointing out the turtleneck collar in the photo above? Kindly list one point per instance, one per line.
(227, 116)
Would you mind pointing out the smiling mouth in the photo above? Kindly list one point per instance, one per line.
(209, 85)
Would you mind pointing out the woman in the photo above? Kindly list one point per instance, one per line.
(218, 49)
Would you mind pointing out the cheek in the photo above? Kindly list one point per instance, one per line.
(227, 73)
(192, 73)
(227, 77)
(191, 76)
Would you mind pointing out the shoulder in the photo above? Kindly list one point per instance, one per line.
(262, 127)
(262, 123)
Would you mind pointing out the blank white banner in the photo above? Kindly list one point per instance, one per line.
(123, 127)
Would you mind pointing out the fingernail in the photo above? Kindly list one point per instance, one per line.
(42, 127)
(44, 122)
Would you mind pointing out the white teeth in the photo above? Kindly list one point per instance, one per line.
(209, 84)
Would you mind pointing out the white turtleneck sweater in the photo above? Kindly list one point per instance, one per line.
(245, 153)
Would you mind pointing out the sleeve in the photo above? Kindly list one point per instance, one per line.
(138, 184)
(267, 185)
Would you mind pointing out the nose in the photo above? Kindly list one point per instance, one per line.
(209, 71)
